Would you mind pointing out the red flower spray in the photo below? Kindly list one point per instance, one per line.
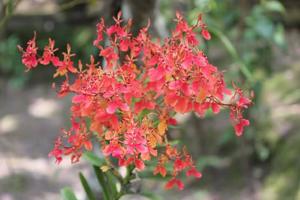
(130, 107)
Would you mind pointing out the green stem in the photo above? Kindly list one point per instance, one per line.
(125, 182)
(129, 175)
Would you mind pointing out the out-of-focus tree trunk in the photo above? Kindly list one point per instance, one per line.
(1, 9)
(181, 6)
(110, 9)
(292, 17)
(75, 10)
(1, 16)
(140, 11)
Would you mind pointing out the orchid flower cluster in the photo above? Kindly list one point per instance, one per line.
(131, 98)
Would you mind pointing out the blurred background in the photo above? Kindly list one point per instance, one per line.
(255, 42)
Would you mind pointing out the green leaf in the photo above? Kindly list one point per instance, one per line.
(10, 7)
(274, 6)
(264, 27)
(93, 159)
(111, 179)
(68, 194)
(86, 187)
(102, 181)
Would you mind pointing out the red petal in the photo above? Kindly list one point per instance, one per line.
(170, 184)
(215, 108)
(171, 99)
(161, 170)
(193, 172)
(205, 34)
(124, 44)
(111, 108)
(172, 121)
(239, 127)
(139, 164)
(78, 98)
(179, 165)
(180, 184)
(182, 105)
(88, 145)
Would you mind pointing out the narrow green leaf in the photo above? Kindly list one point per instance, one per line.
(86, 187)
(102, 181)
(111, 179)
(68, 194)
(93, 159)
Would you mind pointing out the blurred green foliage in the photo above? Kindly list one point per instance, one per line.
(251, 28)
(10, 63)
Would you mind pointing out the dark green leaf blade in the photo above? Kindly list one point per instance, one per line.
(86, 187)
(68, 194)
(102, 181)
